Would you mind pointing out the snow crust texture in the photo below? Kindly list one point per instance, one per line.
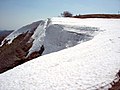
(87, 66)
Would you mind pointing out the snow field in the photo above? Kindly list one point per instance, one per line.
(86, 66)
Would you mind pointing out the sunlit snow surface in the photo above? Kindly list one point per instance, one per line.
(86, 66)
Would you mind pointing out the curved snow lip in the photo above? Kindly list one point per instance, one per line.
(59, 37)
(54, 37)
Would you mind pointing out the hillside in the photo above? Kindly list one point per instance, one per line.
(40, 38)
(14, 53)
(92, 63)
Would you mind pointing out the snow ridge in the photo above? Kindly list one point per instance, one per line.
(24, 29)
(54, 35)
(86, 66)
(38, 36)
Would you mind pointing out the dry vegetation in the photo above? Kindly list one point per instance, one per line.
(98, 16)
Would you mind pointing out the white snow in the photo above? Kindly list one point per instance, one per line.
(24, 29)
(38, 36)
(86, 66)
(58, 37)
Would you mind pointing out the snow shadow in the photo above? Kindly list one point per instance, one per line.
(58, 37)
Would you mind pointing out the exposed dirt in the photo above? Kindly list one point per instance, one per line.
(116, 86)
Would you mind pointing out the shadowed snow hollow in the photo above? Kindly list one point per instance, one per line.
(54, 35)
(58, 37)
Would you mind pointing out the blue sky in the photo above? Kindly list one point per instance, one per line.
(17, 13)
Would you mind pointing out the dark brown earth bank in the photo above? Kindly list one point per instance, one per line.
(116, 85)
